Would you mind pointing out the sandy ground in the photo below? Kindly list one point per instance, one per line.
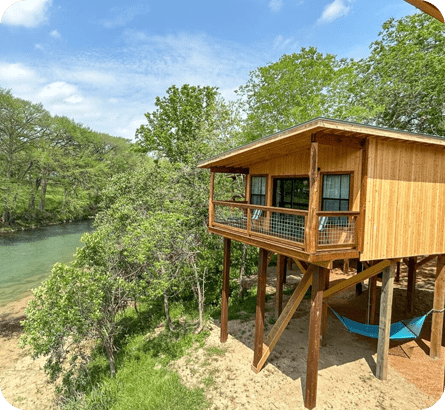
(346, 372)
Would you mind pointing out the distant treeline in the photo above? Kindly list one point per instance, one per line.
(51, 168)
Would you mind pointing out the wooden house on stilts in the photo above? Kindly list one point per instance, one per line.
(327, 191)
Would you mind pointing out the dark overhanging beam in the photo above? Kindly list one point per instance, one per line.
(427, 8)
(230, 170)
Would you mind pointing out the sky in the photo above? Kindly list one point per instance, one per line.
(102, 63)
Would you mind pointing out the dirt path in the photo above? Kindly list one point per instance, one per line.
(347, 363)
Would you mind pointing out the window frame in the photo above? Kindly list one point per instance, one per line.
(351, 186)
(266, 188)
(300, 176)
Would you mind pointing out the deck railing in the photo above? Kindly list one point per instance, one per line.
(334, 229)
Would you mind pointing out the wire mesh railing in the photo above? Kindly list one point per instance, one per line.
(337, 229)
(333, 229)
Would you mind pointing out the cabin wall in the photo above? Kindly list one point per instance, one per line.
(330, 159)
(405, 203)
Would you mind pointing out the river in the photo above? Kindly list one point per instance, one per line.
(26, 257)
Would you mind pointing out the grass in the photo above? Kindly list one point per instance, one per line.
(143, 379)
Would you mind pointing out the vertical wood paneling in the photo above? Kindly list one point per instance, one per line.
(405, 200)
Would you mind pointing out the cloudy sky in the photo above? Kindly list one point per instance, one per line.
(102, 63)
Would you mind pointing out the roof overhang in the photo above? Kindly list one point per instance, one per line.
(296, 139)
(428, 8)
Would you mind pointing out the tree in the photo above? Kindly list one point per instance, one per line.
(189, 125)
(404, 74)
(297, 88)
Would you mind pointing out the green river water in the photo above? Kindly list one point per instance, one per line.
(26, 257)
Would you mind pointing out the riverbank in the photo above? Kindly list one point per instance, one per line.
(22, 379)
(7, 229)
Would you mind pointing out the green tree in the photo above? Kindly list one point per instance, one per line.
(297, 88)
(188, 125)
(404, 74)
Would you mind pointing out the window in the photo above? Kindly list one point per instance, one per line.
(336, 192)
(291, 193)
(258, 190)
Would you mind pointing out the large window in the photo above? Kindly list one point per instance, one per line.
(291, 193)
(258, 190)
(335, 196)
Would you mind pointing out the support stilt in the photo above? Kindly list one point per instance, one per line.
(260, 307)
(438, 304)
(385, 322)
(318, 285)
(324, 322)
(372, 299)
(225, 291)
(411, 290)
(279, 286)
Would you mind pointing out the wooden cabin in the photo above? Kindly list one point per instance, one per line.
(326, 191)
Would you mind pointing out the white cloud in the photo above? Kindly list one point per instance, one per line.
(55, 34)
(16, 72)
(335, 10)
(28, 13)
(276, 5)
(120, 16)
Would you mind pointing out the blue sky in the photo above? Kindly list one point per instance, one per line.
(102, 63)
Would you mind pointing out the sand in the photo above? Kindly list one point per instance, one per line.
(346, 372)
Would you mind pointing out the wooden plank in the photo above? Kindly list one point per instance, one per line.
(311, 231)
(281, 260)
(285, 317)
(438, 304)
(269, 257)
(225, 291)
(385, 322)
(301, 265)
(260, 307)
(318, 284)
(411, 289)
(360, 277)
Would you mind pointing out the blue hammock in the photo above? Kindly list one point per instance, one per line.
(408, 329)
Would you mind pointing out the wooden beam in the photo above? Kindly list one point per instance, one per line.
(363, 197)
(346, 266)
(269, 257)
(424, 261)
(225, 291)
(311, 231)
(438, 304)
(301, 265)
(360, 277)
(230, 170)
(318, 284)
(411, 289)
(260, 307)
(285, 317)
(385, 322)
(373, 299)
(397, 279)
(340, 140)
(280, 280)
(211, 194)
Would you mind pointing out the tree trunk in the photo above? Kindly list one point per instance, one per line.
(241, 271)
(199, 293)
(43, 195)
(167, 312)
(111, 362)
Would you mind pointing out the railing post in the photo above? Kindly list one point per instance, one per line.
(211, 205)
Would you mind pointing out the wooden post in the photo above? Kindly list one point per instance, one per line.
(411, 290)
(225, 291)
(311, 231)
(324, 321)
(363, 197)
(372, 299)
(385, 322)
(211, 206)
(279, 286)
(397, 279)
(318, 284)
(346, 266)
(260, 308)
(438, 304)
